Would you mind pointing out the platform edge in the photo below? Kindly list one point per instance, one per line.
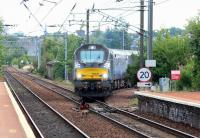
(27, 129)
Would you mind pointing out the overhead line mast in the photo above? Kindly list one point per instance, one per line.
(150, 30)
(88, 27)
(141, 33)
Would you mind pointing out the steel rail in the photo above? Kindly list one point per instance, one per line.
(156, 124)
(56, 112)
(92, 110)
(49, 82)
(36, 130)
(125, 126)
(147, 121)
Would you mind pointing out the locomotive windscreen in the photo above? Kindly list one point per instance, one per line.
(92, 56)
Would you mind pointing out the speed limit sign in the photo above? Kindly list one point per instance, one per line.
(144, 74)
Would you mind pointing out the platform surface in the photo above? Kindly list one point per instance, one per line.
(186, 98)
(12, 122)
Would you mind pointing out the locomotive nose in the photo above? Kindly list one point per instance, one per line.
(92, 74)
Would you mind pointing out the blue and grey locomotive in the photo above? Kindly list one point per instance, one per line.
(98, 70)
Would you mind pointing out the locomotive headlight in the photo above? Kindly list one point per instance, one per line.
(105, 76)
(79, 76)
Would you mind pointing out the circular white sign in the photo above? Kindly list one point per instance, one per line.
(144, 74)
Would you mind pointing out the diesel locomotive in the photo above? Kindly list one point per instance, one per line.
(98, 70)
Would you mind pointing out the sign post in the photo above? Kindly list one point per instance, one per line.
(175, 75)
(150, 63)
(144, 75)
(144, 84)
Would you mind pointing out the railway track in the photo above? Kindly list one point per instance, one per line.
(148, 127)
(140, 125)
(111, 128)
(53, 87)
(45, 120)
(69, 96)
(121, 115)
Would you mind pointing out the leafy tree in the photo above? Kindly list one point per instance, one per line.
(73, 43)
(58, 71)
(53, 49)
(49, 51)
(13, 48)
(97, 37)
(21, 61)
(193, 28)
(2, 55)
(15, 61)
(13, 53)
(114, 38)
(132, 69)
(186, 76)
(176, 31)
(24, 60)
(169, 53)
(2, 48)
(1, 29)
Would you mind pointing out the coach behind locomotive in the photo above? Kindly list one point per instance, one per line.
(98, 70)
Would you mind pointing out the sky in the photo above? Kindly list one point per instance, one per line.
(167, 13)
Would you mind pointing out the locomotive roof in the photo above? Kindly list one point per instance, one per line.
(115, 51)
(123, 52)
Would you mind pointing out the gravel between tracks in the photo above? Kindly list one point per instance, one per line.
(50, 124)
(170, 123)
(93, 125)
(140, 126)
(122, 99)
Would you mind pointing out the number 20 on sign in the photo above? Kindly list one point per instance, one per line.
(144, 74)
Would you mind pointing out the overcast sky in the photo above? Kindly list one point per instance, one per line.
(167, 13)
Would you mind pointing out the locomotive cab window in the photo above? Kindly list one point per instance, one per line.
(92, 56)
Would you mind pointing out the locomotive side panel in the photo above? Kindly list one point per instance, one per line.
(119, 66)
(120, 59)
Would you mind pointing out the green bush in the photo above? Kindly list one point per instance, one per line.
(42, 71)
(196, 76)
(185, 82)
(58, 70)
(132, 69)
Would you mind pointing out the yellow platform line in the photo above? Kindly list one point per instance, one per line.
(28, 131)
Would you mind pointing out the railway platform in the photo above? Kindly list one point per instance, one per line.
(12, 121)
(181, 107)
